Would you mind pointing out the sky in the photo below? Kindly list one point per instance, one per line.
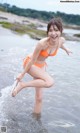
(47, 5)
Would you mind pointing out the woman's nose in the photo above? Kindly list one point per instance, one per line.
(53, 33)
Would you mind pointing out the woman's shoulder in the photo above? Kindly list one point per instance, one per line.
(62, 39)
(41, 43)
(43, 40)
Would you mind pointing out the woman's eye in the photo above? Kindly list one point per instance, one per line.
(56, 29)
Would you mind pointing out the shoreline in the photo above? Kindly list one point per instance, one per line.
(23, 25)
(12, 18)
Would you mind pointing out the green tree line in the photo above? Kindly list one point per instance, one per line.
(42, 15)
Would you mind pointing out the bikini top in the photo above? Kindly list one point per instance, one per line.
(45, 53)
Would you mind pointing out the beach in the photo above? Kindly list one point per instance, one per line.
(60, 112)
(35, 28)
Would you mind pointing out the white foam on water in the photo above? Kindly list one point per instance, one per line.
(62, 123)
(4, 94)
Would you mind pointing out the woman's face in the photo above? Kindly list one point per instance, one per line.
(54, 33)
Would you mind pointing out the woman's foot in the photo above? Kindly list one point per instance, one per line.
(18, 88)
(36, 115)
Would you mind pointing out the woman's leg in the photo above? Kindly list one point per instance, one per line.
(38, 101)
(43, 80)
(38, 98)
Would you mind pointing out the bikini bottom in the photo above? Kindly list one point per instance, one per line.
(28, 58)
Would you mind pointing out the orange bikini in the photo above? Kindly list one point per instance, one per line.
(43, 53)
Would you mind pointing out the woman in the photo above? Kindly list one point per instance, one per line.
(35, 64)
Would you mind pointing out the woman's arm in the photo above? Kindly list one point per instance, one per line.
(31, 62)
(64, 48)
(33, 58)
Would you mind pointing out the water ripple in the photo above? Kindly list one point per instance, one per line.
(62, 123)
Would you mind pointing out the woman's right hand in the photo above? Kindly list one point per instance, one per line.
(20, 76)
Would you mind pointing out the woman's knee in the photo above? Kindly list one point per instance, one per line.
(49, 83)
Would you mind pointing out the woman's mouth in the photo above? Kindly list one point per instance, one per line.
(54, 37)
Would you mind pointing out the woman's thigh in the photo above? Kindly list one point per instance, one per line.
(39, 73)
